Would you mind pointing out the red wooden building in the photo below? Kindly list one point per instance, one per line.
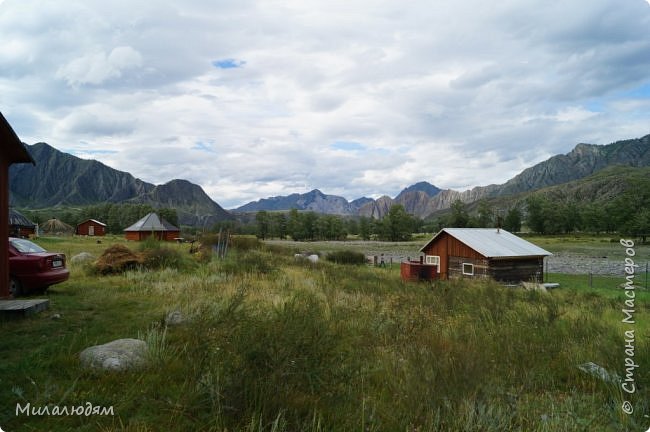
(11, 151)
(152, 225)
(19, 225)
(481, 253)
(91, 227)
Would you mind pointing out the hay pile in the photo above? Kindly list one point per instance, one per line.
(55, 227)
(117, 259)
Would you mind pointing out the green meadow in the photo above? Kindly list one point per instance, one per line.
(272, 343)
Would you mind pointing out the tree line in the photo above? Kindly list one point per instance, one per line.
(115, 216)
(627, 214)
(398, 225)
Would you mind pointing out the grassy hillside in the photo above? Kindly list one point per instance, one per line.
(601, 188)
(275, 344)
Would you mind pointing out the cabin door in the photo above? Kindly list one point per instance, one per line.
(91, 230)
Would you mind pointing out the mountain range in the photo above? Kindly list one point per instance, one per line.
(61, 179)
(423, 199)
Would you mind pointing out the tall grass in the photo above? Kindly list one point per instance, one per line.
(271, 344)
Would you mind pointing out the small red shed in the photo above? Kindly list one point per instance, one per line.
(152, 225)
(19, 225)
(91, 227)
(12, 151)
(484, 253)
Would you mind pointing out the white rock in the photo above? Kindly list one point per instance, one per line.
(118, 355)
(313, 258)
(82, 258)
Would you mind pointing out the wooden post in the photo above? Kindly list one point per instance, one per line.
(4, 226)
(11, 151)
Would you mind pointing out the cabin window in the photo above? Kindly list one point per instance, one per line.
(433, 260)
(468, 269)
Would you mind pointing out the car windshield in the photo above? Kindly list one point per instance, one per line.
(25, 246)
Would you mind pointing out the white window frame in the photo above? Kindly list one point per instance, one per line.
(433, 260)
(471, 272)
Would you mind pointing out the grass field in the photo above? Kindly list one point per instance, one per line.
(275, 344)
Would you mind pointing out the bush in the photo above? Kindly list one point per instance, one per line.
(245, 243)
(251, 261)
(346, 257)
(162, 257)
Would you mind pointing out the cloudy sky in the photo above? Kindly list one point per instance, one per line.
(252, 99)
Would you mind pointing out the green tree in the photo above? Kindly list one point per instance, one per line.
(535, 217)
(397, 225)
(365, 228)
(294, 226)
(512, 221)
(279, 225)
(639, 225)
(485, 216)
(309, 220)
(263, 222)
(459, 217)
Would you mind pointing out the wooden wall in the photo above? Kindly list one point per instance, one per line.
(160, 235)
(84, 228)
(517, 270)
(454, 253)
(447, 246)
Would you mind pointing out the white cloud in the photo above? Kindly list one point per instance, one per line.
(419, 88)
(99, 67)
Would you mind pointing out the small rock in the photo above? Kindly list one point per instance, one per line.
(174, 318)
(118, 355)
(599, 372)
(313, 258)
(82, 258)
(56, 316)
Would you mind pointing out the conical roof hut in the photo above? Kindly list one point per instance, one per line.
(149, 225)
(55, 227)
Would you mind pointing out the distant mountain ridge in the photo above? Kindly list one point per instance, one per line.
(61, 179)
(422, 199)
(314, 200)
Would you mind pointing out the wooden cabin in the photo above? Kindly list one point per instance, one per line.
(19, 225)
(12, 151)
(152, 225)
(483, 253)
(91, 227)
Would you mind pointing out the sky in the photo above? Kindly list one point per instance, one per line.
(252, 99)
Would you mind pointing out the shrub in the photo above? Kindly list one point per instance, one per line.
(162, 257)
(251, 261)
(346, 257)
(245, 243)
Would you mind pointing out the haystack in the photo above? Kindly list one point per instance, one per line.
(117, 259)
(55, 227)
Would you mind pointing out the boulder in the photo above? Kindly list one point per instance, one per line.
(118, 355)
(82, 258)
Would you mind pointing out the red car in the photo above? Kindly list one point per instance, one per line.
(32, 268)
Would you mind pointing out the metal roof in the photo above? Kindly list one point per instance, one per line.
(493, 243)
(151, 222)
(18, 219)
(92, 220)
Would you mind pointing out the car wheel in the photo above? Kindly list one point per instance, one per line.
(15, 289)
